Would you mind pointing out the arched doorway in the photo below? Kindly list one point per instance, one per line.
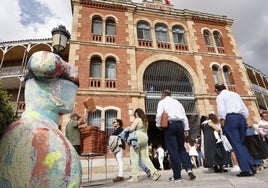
(162, 75)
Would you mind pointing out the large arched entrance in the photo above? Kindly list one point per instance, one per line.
(162, 75)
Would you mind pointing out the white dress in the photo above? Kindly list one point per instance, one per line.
(192, 151)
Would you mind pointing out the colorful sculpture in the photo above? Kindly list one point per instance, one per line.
(34, 152)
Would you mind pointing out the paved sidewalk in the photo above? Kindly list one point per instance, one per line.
(205, 179)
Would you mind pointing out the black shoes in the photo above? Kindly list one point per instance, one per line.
(219, 169)
(191, 175)
(118, 178)
(245, 174)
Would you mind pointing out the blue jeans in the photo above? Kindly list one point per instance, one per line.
(235, 129)
(143, 166)
(174, 140)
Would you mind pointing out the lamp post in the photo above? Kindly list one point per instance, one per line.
(60, 37)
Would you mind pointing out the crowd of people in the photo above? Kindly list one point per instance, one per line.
(219, 147)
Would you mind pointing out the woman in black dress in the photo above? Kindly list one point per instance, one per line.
(215, 155)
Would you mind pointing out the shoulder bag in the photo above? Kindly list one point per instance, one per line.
(164, 120)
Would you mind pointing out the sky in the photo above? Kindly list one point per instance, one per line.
(34, 19)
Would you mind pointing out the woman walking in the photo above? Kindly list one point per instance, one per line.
(140, 125)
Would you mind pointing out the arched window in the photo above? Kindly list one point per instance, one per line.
(110, 26)
(94, 118)
(110, 115)
(217, 38)
(161, 33)
(95, 67)
(178, 35)
(207, 39)
(110, 68)
(227, 75)
(216, 74)
(170, 76)
(173, 77)
(143, 30)
(97, 25)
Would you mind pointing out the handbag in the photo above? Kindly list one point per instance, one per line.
(256, 146)
(164, 120)
(113, 144)
(226, 144)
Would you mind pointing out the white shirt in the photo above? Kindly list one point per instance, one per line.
(161, 152)
(230, 102)
(174, 109)
(263, 131)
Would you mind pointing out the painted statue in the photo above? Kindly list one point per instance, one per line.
(33, 151)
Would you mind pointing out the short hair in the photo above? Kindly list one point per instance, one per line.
(220, 87)
(263, 113)
(166, 92)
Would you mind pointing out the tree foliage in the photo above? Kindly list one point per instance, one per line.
(7, 115)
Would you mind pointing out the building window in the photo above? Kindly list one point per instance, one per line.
(161, 33)
(143, 30)
(227, 75)
(216, 74)
(178, 35)
(206, 35)
(110, 27)
(217, 38)
(95, 118)
(97, 25)
(170, 76)
(110, 68)
(144, 34)
(95, 67)
(110, 115)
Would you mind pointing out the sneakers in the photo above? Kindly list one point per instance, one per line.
(191, 175)
(133, 180)
(175, 180)
(156, 176)
(235, 168)
(118, 178)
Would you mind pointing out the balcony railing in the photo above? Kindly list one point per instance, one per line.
(11, 71)
(145, 43)
(221, 50)
(94, 82)
(259, 88)
(163, 45)
(181, 47)
(110, 38)
(96, 37)
(231, 88)
(211, 49)
(110, 83)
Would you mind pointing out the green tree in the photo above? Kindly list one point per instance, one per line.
(7, 115)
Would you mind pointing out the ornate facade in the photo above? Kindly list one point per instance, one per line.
(127, 53)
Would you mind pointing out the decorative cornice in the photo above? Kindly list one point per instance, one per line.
(104, 5)
(207, 20)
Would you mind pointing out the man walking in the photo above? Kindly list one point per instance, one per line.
(233, 114)
(174, 134)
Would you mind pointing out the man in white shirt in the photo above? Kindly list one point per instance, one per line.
(174, 134)
(233, 115)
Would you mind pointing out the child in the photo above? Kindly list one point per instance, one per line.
(193, 152)
(216, 133)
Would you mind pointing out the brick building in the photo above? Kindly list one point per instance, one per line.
(127, 53)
